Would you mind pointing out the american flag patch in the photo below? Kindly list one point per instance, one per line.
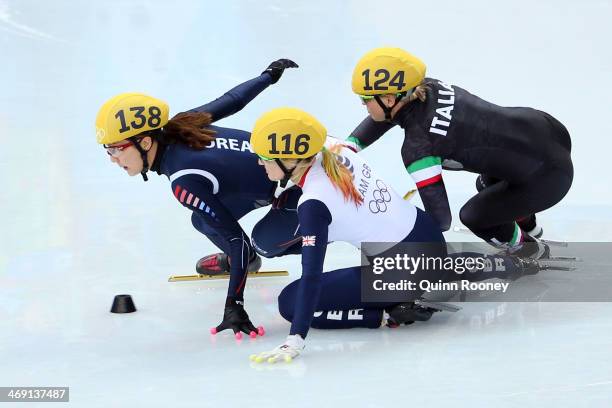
(309, 240)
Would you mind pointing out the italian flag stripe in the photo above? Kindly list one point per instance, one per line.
(429, 181)
(426, 173)
(425, 162)
(356, 141)
(517, 236)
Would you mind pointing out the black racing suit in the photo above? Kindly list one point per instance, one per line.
(523, 153)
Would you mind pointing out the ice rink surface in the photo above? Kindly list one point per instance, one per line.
(75, 230)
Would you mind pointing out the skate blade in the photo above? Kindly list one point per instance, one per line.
(544, 265)
(447, 307)
(409, 195)
(553, 243)
(258, 274)
(563, 259)
(549, 242)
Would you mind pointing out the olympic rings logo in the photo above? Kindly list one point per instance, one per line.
(344, 161)
(381, 197)
(100, 133)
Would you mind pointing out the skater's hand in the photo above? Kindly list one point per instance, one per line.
(277, 68)
(286, 352)
(237, 319)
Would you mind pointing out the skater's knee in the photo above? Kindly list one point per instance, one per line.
(469, 217)
(268, 249)
(274, 235)
(263, 244)
(286, 301)
(260, 251)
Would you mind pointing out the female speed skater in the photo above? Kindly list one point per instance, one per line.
(212, 172)
(522, 154)
(344, 199)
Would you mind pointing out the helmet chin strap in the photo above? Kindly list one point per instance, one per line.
(285, 180)
(389, 109)
(143, 155)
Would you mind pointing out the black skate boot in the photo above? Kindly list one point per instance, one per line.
(219, 263)
(525, 266)
(408, 313)
(532, 248)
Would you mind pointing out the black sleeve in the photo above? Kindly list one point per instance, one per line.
(196, 193)
(367, 132)
(236, 98)
(425, 168)
(436, 204)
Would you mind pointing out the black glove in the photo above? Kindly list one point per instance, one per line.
(276, 68)
(236, 318)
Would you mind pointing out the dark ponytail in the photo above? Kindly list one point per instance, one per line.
(187, 128)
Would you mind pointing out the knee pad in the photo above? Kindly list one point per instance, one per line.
(480, 185)
(483, 181)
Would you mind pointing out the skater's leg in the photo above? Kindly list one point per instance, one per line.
(339, 305)
(527, 223)
(218, 262)
(201, 225)
(491, 214)
(276, 234)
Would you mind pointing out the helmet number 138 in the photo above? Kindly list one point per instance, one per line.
(140, 120)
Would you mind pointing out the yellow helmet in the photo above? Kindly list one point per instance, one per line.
(287, 133)
(129, 114)
(387, 71)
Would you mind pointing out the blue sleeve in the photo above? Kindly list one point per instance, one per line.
(196, 193)
(314, 220)
(236, 98)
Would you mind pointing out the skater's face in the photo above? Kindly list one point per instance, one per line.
(126, 156)
(374, 109)
(273, 170)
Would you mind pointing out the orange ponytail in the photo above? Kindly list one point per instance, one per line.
(339, 175)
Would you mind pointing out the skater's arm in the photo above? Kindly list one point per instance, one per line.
(314, 220)
(425, 168)
(436, 204)
(197, 194)
(366, 133)
(238, 97)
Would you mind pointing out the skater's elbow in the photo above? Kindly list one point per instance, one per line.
(445, 226)
(443, 217)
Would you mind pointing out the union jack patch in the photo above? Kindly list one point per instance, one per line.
(309, 240)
